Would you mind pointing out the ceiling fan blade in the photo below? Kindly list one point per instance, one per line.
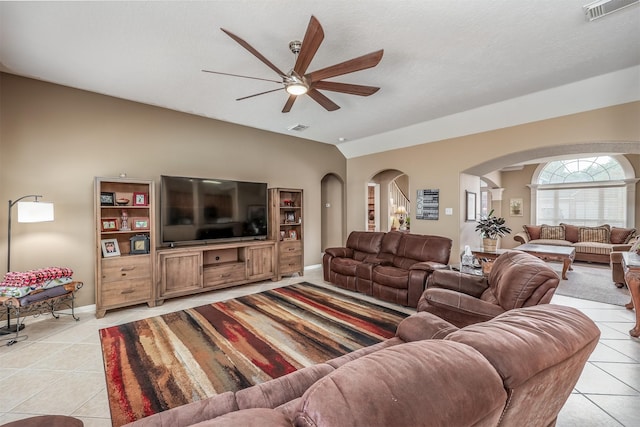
(356, 64)
(257, 94)
(310, 44)
(238, 75)
(255, 53)
(328, 104)
(289, 103)
(351, 89)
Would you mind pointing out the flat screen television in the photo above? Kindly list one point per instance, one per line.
(201, 210)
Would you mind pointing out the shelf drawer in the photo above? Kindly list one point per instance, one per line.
(222, 274)
(291, 247)
(126, 268)
(290, 264)
(125, 291)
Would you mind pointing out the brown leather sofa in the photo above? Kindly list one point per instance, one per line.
(391, 266)
(515, 370)
(517, 279)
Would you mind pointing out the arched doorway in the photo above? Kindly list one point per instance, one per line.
(332, 217)
(392, 200)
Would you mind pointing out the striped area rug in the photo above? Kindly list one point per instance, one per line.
(162, 362)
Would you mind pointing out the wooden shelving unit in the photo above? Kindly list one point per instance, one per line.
(124, 274)
(285, 227)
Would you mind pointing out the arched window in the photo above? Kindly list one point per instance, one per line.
(587, 191)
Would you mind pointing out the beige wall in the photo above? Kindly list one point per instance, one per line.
(54, 140)
(439, 164)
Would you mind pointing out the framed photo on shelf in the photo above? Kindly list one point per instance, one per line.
(289, 217)
(107, 199)
(110, 248)
(140, 199)
(283, 234)
(109, 224)
(139, 244)
(293, 235)
(140, 223)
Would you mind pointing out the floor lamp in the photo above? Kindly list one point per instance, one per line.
(35, 211)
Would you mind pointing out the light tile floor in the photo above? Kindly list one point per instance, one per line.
(58, 369)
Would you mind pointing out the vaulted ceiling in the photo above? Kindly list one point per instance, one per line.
(450, 67)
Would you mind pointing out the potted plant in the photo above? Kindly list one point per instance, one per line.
(491, 228)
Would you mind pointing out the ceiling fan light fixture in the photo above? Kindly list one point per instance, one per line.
(296, 89)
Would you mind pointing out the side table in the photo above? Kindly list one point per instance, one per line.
(631, 267)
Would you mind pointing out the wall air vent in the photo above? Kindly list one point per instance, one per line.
(600, 8)
(300, 128)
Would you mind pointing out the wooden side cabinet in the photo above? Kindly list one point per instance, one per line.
(125, 243)
(285, 227)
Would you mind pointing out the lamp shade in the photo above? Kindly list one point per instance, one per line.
(35, 211)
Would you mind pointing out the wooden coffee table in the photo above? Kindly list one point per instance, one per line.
(564, 254)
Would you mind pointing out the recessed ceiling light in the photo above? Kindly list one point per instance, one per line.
(342, 139)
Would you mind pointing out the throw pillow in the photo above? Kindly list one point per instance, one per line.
(554, 232)
(570, 232)
(635, 247)
(533, 231)
(594, 234)
(621, 236)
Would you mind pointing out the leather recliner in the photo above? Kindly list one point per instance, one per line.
(517, 279)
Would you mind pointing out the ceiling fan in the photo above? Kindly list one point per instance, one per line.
(297, 83)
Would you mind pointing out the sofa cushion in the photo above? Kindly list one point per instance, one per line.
(418, 383)
(594, 248)
(345, 266)
(554, 242)
(258, 417)
(571, 232)
(598, 234)
(621, 235)
(364, 243)
(552, 232)
(391, 276)
(532, 231)
(390, 243)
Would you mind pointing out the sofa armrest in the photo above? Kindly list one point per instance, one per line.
(620, 248)
(521, 237)
(428, 266)
(339, 252)
(616, 257)
(469, 284)
(424, 326)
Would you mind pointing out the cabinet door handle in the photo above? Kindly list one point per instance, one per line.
(224, 276)
(127, 268)
(128, 291)
(291, 249)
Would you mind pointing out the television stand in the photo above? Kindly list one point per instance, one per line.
(194, 269)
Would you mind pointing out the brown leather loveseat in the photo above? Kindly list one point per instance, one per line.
(517, 369)
(391, 266)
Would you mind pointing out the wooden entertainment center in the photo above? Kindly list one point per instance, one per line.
(194, 269)
(140, 272)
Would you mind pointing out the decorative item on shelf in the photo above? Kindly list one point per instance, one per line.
(289, 217)
(283, 234)
(140, 199)
(293, 235)
(122, 201)
(110, 248)
(109, 224)
(140, 223)
(107, 199)
(140, 244)
(491, 228)
(287, 202)
(124, 221)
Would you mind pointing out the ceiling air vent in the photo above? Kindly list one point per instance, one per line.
(300, 128)
(600, 8)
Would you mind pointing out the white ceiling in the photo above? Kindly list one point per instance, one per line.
(449, 67)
